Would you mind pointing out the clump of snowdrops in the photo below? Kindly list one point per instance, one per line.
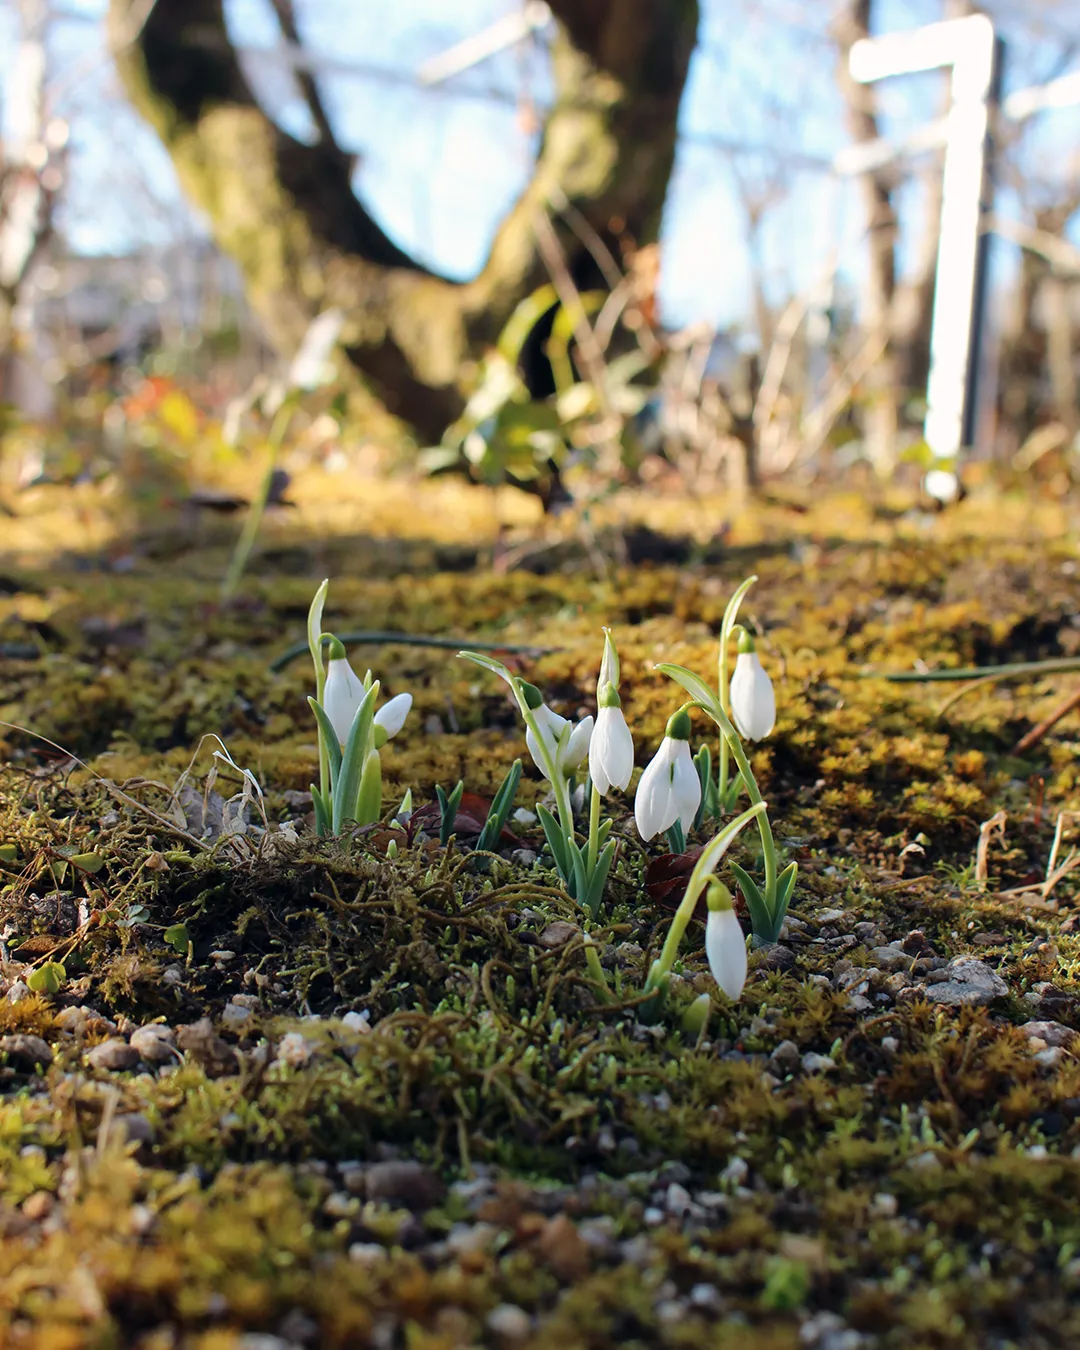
(676, 793)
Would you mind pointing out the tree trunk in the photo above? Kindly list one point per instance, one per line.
(287, 213)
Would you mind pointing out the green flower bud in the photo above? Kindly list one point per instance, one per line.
(532, 696)
(678, 727)
(718, 897)
(607, 696)
(746, 642)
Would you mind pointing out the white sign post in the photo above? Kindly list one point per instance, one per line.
(973, 50)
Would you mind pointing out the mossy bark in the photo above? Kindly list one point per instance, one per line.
(287, 213)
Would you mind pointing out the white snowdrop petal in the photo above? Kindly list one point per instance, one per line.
(391, 716)
(654, 802)
(342, 695)
(532, 746)
(550, 725)
(598, 755)
(685, 786)
(725, 948)
(753, 701)
(611, 752)
(577, 747)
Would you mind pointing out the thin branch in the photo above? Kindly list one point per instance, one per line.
(305, 77)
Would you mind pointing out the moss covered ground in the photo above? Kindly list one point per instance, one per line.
(384, 1106)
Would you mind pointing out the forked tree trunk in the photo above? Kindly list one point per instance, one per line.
(287, 213)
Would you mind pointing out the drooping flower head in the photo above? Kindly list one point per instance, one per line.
(670, 789)
(611, 750)
(725, 945)
(344, 692)
(567, 744)
(753, 703)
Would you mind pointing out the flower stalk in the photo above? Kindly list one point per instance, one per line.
(704, 868)
(559, 748)
(768, 903)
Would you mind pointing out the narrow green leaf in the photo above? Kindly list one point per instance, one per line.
(760, 918)
(314, 631)
(501, 806)
(322, 812)
(9, 853)
(731, 612)
(524, 319)
(557, 842)
(598, 880)
(448, 809)
(330, 739)
(676, 838)
(489, 663)
(785, 885)
(369, 796)
(694, 685)
(353, 757)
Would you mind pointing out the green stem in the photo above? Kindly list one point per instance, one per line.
(594, 832)
(315, 637)
(563, 809)
(768, 843)
(703, 870)
(257, 509)
(727, 627)
(722, 775)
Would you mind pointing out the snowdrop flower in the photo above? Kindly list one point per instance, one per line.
(390, 718)
(725, 945)
(611, 750)
(567, 747)
(311, 365)
(670, 789)
(753, 703)
(344, 692)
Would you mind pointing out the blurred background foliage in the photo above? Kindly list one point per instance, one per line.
(654, 272)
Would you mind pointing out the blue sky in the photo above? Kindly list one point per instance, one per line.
(438, 169)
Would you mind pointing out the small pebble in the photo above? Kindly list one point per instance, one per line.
(677, 1201)
(294, 1050)
(557, 934)
(38, 1206)
(884, 1205)
(814, 1063)
(136, 1127)
(509, 1321)
(407, 1182)
(113, 1055)
(707, 1298)
(235, 1017)
(155, 1043)
(366, 1253)
(26, 1052)
(1050, 1033)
